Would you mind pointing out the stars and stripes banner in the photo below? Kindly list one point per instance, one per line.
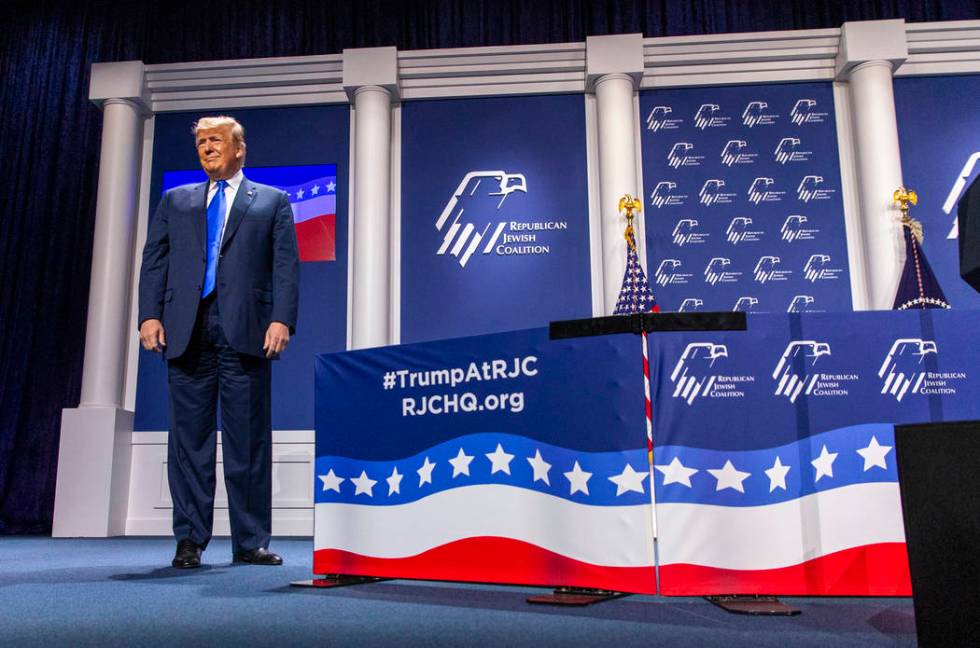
(774, 448)
(478, 459)
(774, 469)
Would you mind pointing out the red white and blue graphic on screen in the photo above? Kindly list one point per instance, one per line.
(775, 473)
(312, 191)
(743, 199)
(314, 205)
(553, 490)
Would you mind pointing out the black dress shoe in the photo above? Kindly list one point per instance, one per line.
(260, 556)
(188, 555)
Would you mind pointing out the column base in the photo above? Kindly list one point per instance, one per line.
(92, 492)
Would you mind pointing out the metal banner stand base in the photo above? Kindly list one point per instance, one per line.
(337, 580)
(755, 605)
(575, 596)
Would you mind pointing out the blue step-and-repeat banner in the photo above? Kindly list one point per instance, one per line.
(495, 215)
(939, 132)
(743, 202)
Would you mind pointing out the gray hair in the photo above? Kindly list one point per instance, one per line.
(207, 123)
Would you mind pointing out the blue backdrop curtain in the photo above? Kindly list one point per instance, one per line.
(50, 133)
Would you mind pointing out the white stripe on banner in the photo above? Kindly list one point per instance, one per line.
(306, 209)
(616, 536)
(780, 535)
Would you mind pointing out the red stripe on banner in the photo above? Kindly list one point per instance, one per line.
(490, 560)
(316, 238)
(871, 570)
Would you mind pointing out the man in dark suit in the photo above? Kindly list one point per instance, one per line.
(218, 297)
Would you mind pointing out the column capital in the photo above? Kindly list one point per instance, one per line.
(618, 54)
(871, 40)
(120, 80)
(371, 66)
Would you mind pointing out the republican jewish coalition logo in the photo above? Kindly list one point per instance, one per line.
(818, 268)
(712, 193)
(668, 273)
(660, 119)
(692, 375)
(682, 154)
(767, 269)
(755, 114)
(663, 195)
(810, 189)
(790, 383)
(804, 112)
(738, 231)
(794, 229)
(762, 190)
(709, 116)
(695, 375)
(735, 152)
(903, 370)
(686, 233)
(788, 150)
(463, 237)
(715, 272)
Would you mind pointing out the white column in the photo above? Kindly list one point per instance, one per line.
(617, 175)
(112, 255)
(92, 490)
(614, 65)
(868, 55)
(371, 222)
(370, 79)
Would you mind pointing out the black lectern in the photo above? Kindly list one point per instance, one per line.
(937, 475)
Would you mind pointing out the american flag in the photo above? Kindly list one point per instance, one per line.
(918, 287)
(635, 295)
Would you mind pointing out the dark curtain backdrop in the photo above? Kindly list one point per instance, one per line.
(50, 133)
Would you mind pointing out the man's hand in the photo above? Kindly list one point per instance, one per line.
(276, 339)
(152, 335)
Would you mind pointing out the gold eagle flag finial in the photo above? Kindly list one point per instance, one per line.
(904, 198)
(629, 204)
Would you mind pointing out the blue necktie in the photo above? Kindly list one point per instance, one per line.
(216, 218)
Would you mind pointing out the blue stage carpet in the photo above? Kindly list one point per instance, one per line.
(121, 591)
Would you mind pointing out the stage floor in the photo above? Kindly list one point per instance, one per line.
(122, 590)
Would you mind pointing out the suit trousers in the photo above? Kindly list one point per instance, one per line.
(210, 372)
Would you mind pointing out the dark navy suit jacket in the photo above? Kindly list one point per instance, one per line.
(258, 266)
